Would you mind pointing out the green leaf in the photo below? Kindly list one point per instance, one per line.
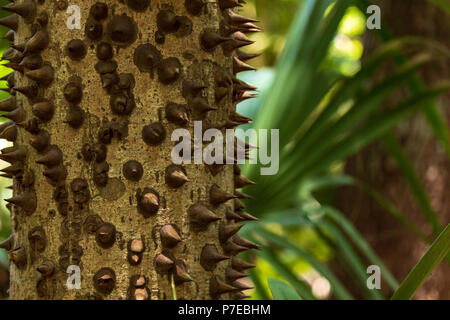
(361, 243)
(348, 256)
(281, 291)
(283, 270)
(339, 290)
(376, 127)
(424, 267)
(260, 289)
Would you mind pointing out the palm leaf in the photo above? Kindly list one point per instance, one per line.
(425, 266)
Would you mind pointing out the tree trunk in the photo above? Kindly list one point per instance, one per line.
(399, 248)
(94, 183)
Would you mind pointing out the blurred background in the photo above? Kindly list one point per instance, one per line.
(364, 147)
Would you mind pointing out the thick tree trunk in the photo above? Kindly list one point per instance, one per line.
(94, 185)
(399, 248)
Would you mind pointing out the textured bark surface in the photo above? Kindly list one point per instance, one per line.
(400, 249)
(68, 222)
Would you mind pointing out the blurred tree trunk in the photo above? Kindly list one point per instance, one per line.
(83, 113)
(4, 282)
(396, 245)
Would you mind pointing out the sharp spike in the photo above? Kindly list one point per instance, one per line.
(249, 28)
(14, 155)
(19, 47)
(11, 22)
(12, 55)
(25, 200)
(16, 115)
(240, 36)
(38, 42)
(43, 76)
(210, 257)
(8, 91)
(10, 79)
(30, 91)
(245, 216)
(226, 231)
(201, 105)
(9, 133)
(41, 141)
(177, 113)
(241, 181)
(192, 88)
(241, 284)
(231, 215)
(209, 40)
(233, 44)
(244, 56)
(240, 66)
(238, 204)
(8, 243)
(232, 275)
(31, 125)
(237, 19)
(32, 62)
(240, 265)
(51, 158)
(169, 236)
(217, 287)
(8, 149)
(8, 104)
(55, 174)
(228, 4)
(163, 263)
(239, 118)
(218, 196)
(9, 36)
(180, 273)
(245, 243)
(176, 176)
(242, 86)
(13, 169)
(232, 248)
(15, 66)
(26, 10)
(240, 296)
(244, 96)
(18, 256)
(148, 202)
(201, 216)
(43, 110)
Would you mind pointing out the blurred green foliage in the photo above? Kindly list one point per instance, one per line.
(313, 86)
(315, 90)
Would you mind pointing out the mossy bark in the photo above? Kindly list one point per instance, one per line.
(70, 240)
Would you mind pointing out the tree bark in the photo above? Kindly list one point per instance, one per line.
(95, 185)
(399, 248)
